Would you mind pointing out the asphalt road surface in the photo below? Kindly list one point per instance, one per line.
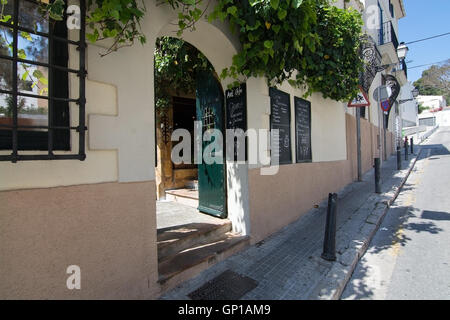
(409, 257)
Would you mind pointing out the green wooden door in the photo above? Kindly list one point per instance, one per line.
(211, 177)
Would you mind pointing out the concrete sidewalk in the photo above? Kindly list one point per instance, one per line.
(288, 264)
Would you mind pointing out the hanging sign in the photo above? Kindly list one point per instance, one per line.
(361, 100)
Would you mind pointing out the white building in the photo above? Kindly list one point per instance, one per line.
(433, 102)
(437, 118)
(409, 109)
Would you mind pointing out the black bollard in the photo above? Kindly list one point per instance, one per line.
(399, 158)
(406, 148)
(412, 145)
(329, 243)
(377, 175)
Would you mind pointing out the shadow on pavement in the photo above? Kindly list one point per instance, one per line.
(435, 215)
(436, 149)
(391, 238)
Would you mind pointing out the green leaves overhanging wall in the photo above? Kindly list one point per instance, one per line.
(309, 43)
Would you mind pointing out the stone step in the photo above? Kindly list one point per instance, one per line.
(175, 239)
(192, 261)
(188, 197)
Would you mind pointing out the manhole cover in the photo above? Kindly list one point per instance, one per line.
(227, 286)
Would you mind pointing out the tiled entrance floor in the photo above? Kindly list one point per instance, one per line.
(170, 214)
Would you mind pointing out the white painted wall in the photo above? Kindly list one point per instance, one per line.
(120, 111)
(443, 118)
(408, 110)
(433, 102)
(99, 166)
(328, 127)
(328, 131)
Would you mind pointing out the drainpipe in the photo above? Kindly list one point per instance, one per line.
(380, 129)
(385, 119)
(358, 142)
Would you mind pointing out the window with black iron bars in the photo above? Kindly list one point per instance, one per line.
(35, 97)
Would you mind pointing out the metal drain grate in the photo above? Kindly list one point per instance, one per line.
(227, 286)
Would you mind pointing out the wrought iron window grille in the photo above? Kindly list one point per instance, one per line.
(53, 128)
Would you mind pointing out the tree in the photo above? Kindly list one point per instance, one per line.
(176, 65)
(435, 81)
(30, 47)
(422, 108)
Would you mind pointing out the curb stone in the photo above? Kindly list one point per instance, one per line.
(335, 281)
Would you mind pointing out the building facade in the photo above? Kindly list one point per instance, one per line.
(409, 109)
(432, 102)
(100, 213)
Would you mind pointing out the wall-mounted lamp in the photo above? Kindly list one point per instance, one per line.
(415, 94)
(402, 51)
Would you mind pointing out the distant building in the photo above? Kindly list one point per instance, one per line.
(433, 102)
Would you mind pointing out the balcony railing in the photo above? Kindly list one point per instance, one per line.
(387, 34)
(404, 67)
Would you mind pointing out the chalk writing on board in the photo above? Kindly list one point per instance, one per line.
(280, 120)
(236, 113)
(303, 130)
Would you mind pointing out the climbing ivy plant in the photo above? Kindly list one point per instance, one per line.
(310, 43)
(176, 65)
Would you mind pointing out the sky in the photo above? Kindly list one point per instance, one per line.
(425, 18)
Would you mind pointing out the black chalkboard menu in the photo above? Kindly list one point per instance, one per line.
(280, 118)
(236, 112)
(303, 130)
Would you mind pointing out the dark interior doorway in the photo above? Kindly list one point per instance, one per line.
(184, 115)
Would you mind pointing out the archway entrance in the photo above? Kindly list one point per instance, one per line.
(188, 94)
(192, 203)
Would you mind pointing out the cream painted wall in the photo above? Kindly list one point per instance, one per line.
(327, 120)
(328, 135)
(120, 112)
(121, 115)
(131, 132)
(99, 166)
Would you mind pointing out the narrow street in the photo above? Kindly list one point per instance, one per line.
(409, 257)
